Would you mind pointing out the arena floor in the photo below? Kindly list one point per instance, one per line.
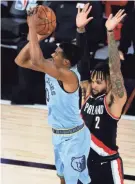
(27, 152)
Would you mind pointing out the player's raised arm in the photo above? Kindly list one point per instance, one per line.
(84, 65)
(23, 58)
(81, 22)
(118, 91)
(59, 65)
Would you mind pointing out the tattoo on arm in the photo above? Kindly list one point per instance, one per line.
(116, 77)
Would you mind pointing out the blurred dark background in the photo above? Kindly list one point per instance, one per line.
(24, 86)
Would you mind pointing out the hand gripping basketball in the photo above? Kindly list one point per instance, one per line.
(44, 19)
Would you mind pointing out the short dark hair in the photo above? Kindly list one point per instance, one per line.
(71, 52)
(101, 70)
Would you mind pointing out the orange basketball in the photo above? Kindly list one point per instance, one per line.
(46, 23)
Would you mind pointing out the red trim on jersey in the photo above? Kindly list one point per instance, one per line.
(120, 170)
(102, 145)
(108, 110)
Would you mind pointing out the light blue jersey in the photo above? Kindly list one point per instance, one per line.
(69, 132)
(63, 107)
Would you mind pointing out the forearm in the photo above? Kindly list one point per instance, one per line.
(85, 90)
(36, 54)
(116, 77)
(84, 87)
(114, 59)
(84, 64)
(81, 37)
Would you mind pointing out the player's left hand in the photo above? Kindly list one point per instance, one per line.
(32, 18)
(113, 21)
(81, 18)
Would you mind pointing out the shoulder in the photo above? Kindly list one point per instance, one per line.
(70, 76)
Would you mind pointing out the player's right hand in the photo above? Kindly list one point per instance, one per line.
(82, 16)
(113, 21)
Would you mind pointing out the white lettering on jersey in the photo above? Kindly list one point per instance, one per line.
(93, 110)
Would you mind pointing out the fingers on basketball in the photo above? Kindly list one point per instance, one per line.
(46, 23)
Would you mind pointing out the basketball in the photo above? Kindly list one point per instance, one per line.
(46, 23)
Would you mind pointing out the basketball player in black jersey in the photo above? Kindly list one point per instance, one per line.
(102, 108)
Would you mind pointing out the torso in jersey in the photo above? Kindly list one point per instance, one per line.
(63, 107)
(102, 125)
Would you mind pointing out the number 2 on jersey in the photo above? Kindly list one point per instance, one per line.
(97, 119)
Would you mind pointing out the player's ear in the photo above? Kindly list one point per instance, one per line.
(66, 62)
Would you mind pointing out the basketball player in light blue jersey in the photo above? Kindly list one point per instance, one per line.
(71, 138)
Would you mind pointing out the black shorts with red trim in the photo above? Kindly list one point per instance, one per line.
(106, 172)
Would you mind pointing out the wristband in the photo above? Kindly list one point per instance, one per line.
(81, 30)
(110, 31)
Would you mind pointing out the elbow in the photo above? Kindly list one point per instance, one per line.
(17, 61)
(20, 62)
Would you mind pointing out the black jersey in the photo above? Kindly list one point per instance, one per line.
(102, 125)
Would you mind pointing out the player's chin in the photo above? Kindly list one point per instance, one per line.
(95, 92)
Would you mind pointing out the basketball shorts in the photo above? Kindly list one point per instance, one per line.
(71, 153)
(110, 172)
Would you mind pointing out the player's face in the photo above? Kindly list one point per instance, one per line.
(58, 57)
(99, 86)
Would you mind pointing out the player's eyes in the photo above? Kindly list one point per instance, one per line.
(99, 82)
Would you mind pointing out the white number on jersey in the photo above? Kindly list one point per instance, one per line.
(97, 119)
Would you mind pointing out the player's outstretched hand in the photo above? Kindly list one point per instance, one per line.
(82, 16)
(113, 21)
